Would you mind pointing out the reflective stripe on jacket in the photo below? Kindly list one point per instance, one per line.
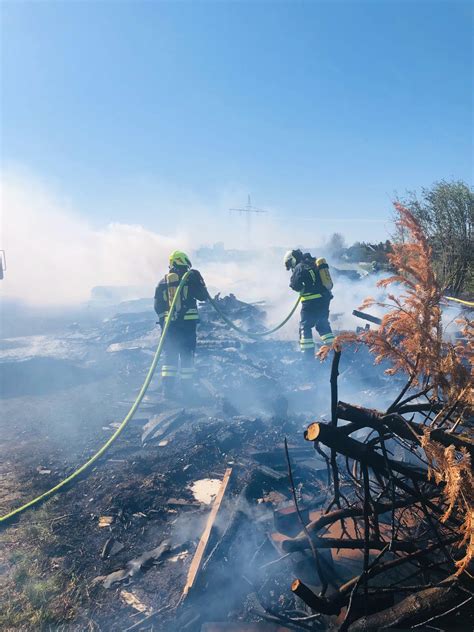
(307, 281)
(186, 306)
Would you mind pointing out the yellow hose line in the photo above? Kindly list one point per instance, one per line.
(119, 430)
(255, 336)
(458, 300)
(145, 386)
(139, 398)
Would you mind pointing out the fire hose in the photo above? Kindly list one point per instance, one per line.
(255, 335)
(139, 398)
(458, 300)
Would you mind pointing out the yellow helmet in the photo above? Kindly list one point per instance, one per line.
(179, 258)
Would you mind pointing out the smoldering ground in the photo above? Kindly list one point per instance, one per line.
(55, 339)
(56, 430)
(70, 385)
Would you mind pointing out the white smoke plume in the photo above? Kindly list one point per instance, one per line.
(56, 256)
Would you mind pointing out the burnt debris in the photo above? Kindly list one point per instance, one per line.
(331, 518)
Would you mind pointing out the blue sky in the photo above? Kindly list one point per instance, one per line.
(320, 110)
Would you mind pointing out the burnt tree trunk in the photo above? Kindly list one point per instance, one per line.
(336, 439)
(409, 430)
(414, 609)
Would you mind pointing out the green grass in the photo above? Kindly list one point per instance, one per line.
(37, 594)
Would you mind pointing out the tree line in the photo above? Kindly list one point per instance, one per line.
(446, 213)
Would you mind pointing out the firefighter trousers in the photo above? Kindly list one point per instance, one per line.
(178, 352)
(314, 313)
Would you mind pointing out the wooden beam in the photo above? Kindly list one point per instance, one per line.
(368, 418)
(201, 548)
(336, 439)
(318, 604)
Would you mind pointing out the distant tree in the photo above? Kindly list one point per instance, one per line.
(362, 252)
(446, 214)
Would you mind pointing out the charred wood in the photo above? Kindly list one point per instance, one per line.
(411, 610)
(220, 549)
(333, 607)
(134, 566)
(314, 551)
(201, 548)
(336, 439)
(318, 604)
(419, 408)
(365, 316)
(344, 543)
(339, 599)
(395, 423)
(346, 588)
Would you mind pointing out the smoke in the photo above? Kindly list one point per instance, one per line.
(55, 256)
(349, 295)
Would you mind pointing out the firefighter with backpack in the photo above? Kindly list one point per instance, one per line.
(180, 343)
(311, 278)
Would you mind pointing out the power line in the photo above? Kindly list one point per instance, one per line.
(248, 210)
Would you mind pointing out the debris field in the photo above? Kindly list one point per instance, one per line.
(266, 504)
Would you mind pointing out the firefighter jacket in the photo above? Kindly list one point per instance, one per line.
(186, 307)
(312, 280)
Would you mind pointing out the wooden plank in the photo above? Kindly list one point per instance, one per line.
(201, 549)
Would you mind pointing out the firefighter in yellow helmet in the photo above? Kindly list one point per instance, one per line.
(310, 277)
(180, 342)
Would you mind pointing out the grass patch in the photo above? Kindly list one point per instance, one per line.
(37, 592)
(40, 591)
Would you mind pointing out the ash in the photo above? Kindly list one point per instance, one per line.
(129, 530)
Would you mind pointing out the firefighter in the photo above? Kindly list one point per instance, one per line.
(180, 343)
(310, 277)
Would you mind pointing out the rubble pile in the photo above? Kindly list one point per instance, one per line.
(347, 537)
(266, 504)
(341, 521)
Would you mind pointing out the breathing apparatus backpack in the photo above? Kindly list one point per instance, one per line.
(319, 267)
(172, 283)
(324, 275)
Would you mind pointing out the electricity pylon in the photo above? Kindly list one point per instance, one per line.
(248, 210)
